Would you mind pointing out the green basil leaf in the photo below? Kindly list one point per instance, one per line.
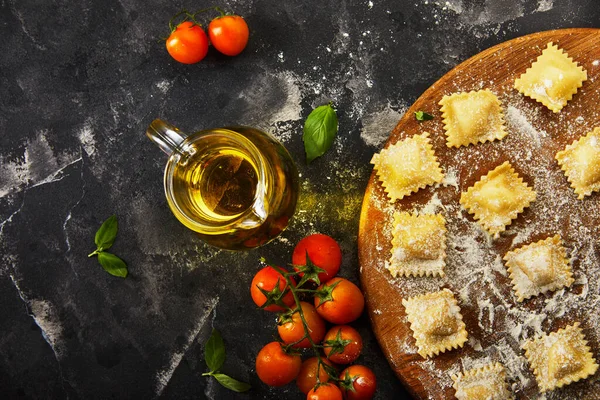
(320, 129)
(423, 116)
(105, 236)
(214, 351)
(112, 264)
(232, 384)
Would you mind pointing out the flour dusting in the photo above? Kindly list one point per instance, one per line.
(497, 323)
(269, 115)
(544, 5)
(164, 85)
(87, 139)
(378, 125)
(45, 317)
(38, 164)
(487, 12)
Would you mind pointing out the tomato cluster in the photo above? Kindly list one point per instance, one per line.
(308, 299)
(188, 42)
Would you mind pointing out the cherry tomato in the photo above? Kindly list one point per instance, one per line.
(344, 301)
(307, 378)
(327, 391)
(188, 43)
(229, 34)
(323, 251)
(267, 279)
(342, 338)
(362, 379)
(292, 330)
(276, 368)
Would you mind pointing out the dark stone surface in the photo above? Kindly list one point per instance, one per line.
(79, 83)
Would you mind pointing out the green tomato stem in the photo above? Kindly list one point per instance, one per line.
(306, 291)
(218, 9)
(172, 27)
(315, 347)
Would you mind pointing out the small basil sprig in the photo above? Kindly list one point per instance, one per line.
(320, 129)
(423, 116)
(104, 239)
(214, 355)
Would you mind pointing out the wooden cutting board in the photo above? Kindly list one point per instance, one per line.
(496, 323)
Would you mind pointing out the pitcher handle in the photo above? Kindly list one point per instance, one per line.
(166, 136)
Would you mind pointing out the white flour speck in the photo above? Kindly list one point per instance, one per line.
(164, 85)
(544, 5)
(86, 137)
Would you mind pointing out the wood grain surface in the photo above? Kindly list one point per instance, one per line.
(494, 69)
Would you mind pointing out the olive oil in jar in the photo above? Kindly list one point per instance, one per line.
(217, 187)
(236, 187)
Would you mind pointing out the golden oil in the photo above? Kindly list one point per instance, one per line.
(236, 187)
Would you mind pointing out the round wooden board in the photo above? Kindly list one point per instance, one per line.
(494, 69)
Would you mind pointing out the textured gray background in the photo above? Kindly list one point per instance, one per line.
(79, 83)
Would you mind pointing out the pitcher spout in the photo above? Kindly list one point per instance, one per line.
(256, 216)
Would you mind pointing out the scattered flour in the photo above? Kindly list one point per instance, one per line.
(498, 325)
(86, 137)
(544, 5)
(518, 121)
(276, 117)
(38, 164)
(45, 317)
(378, 125)
(164, 85)
(291, 109)
(486, 12)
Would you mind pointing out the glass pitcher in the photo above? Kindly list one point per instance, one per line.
(236, 187)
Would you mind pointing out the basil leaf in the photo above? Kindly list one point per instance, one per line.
(423, 116)
(320, 129)
(214, 351)
(105, 236)
(112, 264)
(232, 384)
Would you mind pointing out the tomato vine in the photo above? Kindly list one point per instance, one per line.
(295, 290)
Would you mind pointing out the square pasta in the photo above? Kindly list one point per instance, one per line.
(471, 118)
(560, 358)
(485, 383)
(418, 245)
(581, 163)
(407, 166)
(538, 268)
(497, 198)
(552, 79)
(436, 322)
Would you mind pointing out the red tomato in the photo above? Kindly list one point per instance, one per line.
(188, 43)
(229, 34)
(362, 379)
(276, 368)
(323, 251)
(267, 279)
(327, 391)
(307, 378)
(293, 330)
(342, 344)
(344, 301)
